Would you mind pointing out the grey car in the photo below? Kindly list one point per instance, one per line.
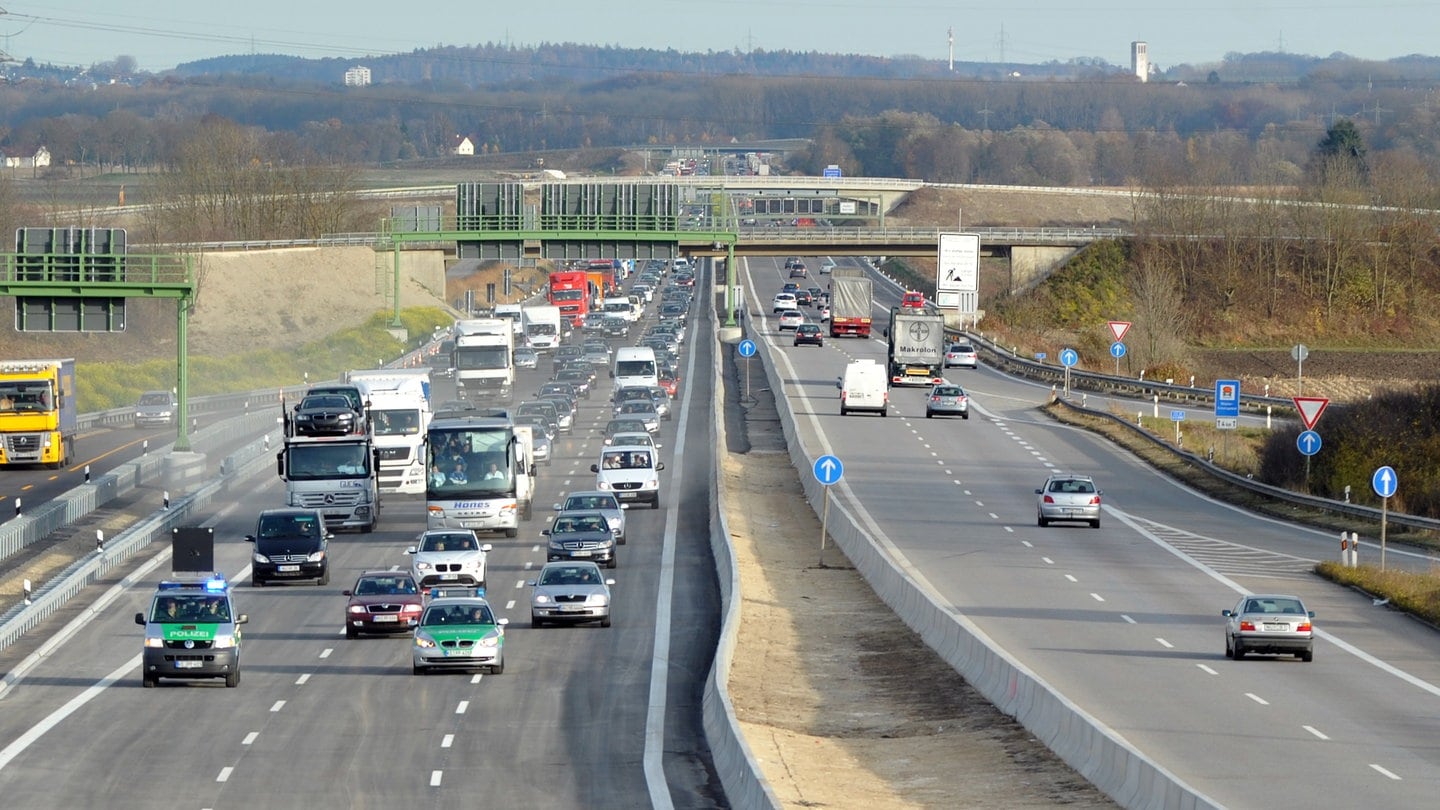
(583, 534)
(526, 357)
(1068, 497)
(600, 501)
(947, 400)
(572, 592)
(1269, 623)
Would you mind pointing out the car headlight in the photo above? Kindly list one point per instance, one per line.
(490, 640)
(597, 599)
(154, 642)
(424, 641)
(358, 609)
(615, 525)
(316, 556)
(556, 545)
(541, 599)
(602, 484)
(653, 483)
(224, 642)
(423, 566)
(410, 609)
(260, 558)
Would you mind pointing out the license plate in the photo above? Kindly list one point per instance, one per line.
(580, 553)
(572, 608)
(288, 569)
(189, 664)
(386, 618)
(1277, 627)
(448, 577)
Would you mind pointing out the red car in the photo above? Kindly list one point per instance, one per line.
(669, 382)
(383, 602)
(913, 300)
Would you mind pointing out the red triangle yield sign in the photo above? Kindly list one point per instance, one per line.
(1310, 409)
(1118, 329)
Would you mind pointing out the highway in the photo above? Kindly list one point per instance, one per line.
(582, 716)
(1125, 621)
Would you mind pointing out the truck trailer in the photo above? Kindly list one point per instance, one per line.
(400, 409)
(916, 342)
(851, 295)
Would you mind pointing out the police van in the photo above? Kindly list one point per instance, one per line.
(192, 630)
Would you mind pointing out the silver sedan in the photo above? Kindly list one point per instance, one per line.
(1269, 623)
(1068, 497)
(571, 592)
(947, 400)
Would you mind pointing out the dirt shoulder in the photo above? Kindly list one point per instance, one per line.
(842, 704)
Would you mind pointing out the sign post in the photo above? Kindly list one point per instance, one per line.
(1384, 482)
(747, 351)
(1299, 352)
(1068, 358)
(828, 471)
(957, 272)
(1117, 351)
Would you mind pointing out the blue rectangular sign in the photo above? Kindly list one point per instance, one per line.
(1227, 399)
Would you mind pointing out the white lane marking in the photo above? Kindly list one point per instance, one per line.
(250, 738)
(1315, 731)
(52, 720)
(1385, 773)
(994, 516)
(1097, 597)
(1045, 560)
(534, 549)
(979, 503)
(225, 774)
(529, 564)
(300, 681)
(277, 706)
(460, 709)
(1127, 619)
(474, 679)
(966, 491)
(1025, 543)
(435, 778)
(510, 605)
(1257, 698)
(1206, 668)
(447, 741)
(325, 653)
(1163, 643)
(519, 583)
(1010, 529)
(1071, 577)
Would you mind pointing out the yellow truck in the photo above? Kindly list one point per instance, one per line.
(38, 417)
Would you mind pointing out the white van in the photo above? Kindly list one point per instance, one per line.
(635, 366)
(630, 471)
(621, 308)
(864, 388)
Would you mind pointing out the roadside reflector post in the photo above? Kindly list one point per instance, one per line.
(27, 591)
(99, 541)
(1155, 405)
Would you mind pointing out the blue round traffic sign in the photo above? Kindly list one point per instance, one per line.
(1069, 357)
(1117, 349)
(1385, 482)
(1309, 442)
(747, 348)
(828, 470)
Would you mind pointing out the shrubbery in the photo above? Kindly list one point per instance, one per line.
(1398, 428)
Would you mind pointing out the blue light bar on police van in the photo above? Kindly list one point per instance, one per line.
(215, 583)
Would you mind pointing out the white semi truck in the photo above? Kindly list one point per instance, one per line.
(400, 411)
(483, 368)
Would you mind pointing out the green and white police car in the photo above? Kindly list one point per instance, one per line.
(192, 630)
(458, 630)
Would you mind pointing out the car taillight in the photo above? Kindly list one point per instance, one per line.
(1049, 499)
(1304, 628)
(934, 399)
(1244, 625)
(1095, 501)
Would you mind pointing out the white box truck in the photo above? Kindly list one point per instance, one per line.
(400, 411)
(482, 358)
(541, 325)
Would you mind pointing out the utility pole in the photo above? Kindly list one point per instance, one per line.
(951, 35)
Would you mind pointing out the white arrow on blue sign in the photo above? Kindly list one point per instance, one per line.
(1309, 442)
(1069, 357)
(1385, 482)
(828, 470)
(747, 348)
(1117, 349)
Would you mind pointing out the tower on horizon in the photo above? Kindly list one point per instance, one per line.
(1140, 61)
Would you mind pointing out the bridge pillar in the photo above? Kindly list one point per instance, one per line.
(1030, 264)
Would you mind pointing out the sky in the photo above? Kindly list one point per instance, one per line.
(160, 34)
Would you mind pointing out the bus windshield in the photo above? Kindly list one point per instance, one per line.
(470, 462)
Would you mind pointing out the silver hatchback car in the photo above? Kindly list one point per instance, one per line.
(1269, 623)
(948, 400)
(1068, 497)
